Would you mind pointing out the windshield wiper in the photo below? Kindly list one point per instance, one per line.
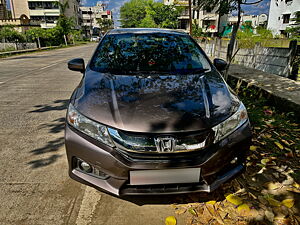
(195, 71)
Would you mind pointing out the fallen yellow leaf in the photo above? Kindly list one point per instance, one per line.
(296, 185)
(264, 161)
(192, 211)
(234, 199)
(288, 203)
(170, 220)
(211, 202)
(285, 142)
(279, 145)
(253, 148)
(243, 208)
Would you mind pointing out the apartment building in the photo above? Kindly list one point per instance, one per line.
(207, 19)
(3, 9)
(45, 11)
(90, 15)
(281, 14)
(183, 20)
(253, 20)
(210, 21)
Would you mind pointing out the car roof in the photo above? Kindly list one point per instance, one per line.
(145, 31)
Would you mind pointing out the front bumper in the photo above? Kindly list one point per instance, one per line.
(219, 163)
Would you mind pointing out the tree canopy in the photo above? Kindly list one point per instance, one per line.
(148, 13)
(9, 34)
(105, 24)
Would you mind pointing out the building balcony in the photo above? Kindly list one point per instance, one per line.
(184, 17)
(42, 12)
(211, 30)
(47, 25)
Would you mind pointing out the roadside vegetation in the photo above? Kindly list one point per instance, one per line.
(268, 192)
(149, 14)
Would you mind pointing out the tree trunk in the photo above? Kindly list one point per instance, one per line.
(65, 40)
(233, 35)
(230, 48)
(39, 43)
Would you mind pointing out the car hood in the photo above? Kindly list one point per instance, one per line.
(155, 103)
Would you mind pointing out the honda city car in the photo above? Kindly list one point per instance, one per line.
(153, 115)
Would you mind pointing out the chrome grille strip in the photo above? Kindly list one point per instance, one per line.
(147, 144)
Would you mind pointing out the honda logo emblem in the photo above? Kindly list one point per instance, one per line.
(165, 144)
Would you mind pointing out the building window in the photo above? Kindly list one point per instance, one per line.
(42, 5)
(45, 19)
(104, 16)
(286, 18)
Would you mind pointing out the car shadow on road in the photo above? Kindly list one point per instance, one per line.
(54, 142)
(57, 105)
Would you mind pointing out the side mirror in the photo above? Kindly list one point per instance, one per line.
(220, 64)
(77, 65)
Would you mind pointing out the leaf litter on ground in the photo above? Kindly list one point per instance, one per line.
(269, 191)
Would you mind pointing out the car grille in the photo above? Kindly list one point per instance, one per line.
(147, 143)
(164, 189)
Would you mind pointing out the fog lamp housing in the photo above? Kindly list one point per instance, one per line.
(89, 169)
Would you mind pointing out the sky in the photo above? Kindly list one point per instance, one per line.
(114, 6)
(262, 7)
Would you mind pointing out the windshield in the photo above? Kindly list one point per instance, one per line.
(153, 53)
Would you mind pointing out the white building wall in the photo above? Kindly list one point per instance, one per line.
(278, 9)
(95, 12)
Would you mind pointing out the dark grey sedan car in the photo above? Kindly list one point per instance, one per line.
(152, 115)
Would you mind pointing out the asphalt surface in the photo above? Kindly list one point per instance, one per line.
(34, 184)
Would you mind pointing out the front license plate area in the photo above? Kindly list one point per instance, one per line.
(168, 176)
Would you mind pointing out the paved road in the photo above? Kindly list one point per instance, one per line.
(34, 185)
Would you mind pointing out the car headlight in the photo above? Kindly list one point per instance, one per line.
(225, 128)
(88, 127)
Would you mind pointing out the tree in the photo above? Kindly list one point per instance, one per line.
(9, 34)
(63, 21)
(148, 22)
(225, 7)
(165, 16)
(133, 12)
(105, 24)
(36, 34)
(62, 7)
(148, 13)
(196, 31)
